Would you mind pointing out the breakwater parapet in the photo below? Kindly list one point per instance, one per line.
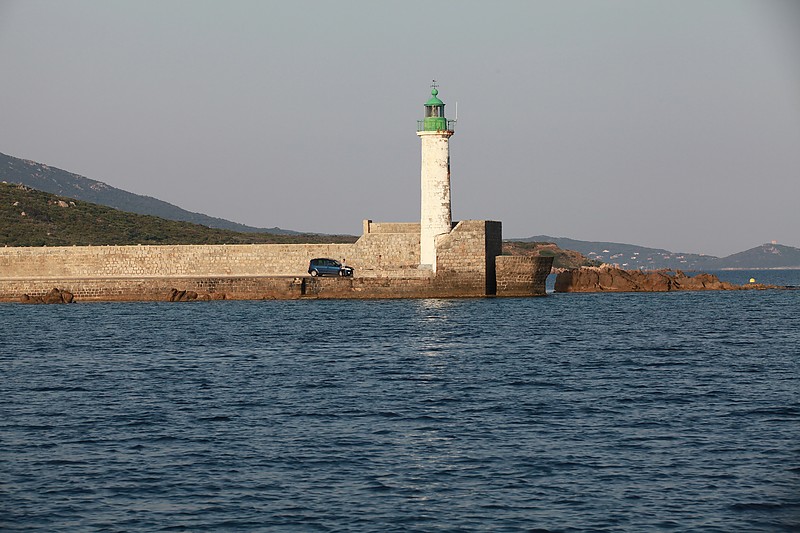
(385, 258)
(526, 278)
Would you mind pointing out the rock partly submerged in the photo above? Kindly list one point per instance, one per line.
(55, 296)
(610, 279)
(176, 295)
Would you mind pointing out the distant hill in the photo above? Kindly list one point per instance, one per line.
(629, 256)
(764, 256)
(561, 258)
(56, 181)
(34, 218)
(632, 257)
(44, 224)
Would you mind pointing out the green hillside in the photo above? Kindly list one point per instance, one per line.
(29, 217)
(56, 181)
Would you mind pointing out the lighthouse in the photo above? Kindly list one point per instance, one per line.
(435, 215)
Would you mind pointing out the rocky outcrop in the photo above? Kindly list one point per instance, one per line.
(610, 279)
(55, 296)
(187, 296)
(181, 296)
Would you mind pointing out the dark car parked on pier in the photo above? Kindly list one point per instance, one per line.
(328, 267)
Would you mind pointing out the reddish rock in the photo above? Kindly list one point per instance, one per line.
(175, 295)
(181, 296)
(609, 279)
(55, 296)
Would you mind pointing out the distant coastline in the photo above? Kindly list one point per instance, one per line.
(75, 210)
(762, 268)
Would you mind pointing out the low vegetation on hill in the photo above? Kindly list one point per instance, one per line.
(29, 217)
(60, 182)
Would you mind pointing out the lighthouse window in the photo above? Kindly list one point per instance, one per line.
(434, 111)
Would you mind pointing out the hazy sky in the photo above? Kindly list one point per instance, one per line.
(671, 124)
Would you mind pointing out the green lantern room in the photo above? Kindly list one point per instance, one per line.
(434, 114)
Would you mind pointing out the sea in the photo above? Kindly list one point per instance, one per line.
(571, 412)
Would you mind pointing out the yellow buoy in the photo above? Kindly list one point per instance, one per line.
(752, 280)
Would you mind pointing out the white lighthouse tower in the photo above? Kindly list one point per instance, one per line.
(436, 218)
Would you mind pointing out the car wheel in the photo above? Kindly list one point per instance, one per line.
(314, 273)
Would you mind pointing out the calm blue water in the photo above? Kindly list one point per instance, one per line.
(575, 412)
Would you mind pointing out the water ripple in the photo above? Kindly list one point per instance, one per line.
(571, 413)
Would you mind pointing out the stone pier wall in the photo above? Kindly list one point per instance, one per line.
(386, 260)
(372, 255)
(158, 289)
(522, 276)
(465, 256)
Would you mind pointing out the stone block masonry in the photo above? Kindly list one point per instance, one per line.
(370, 255)
(386, 259)
(522, 276)
(162, 261)
(158, 289)
(391, 227)
(465, 256)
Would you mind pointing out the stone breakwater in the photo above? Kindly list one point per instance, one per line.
(609, 279)
(514, 277)
(517, 277)
(386, 261)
